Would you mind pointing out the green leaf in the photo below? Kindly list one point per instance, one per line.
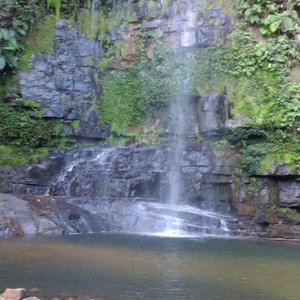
(270, 19)
(4, 34)
(254, 19)
(11, 61)
(274, 26)
(2, 62)
(264, 31)
(288, 25)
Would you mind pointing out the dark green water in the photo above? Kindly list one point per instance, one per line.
(143, 267)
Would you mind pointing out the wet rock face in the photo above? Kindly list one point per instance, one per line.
(142, 172)
(190, 27)
(113, 189)
(100, 190)
(120, 172)
(64, 82)
(213, 28)
(211, 113)
(178, 24)
(33, 179)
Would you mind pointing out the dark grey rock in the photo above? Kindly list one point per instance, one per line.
(18, 218)
(213, 28)
(63, 83)
(32, 179)
(211, 113)
(202, 29)
(289, 193)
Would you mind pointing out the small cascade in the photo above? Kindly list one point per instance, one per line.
(89, 159)
(99, 159)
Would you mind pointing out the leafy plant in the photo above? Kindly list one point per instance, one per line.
(23, 130)
(273, 18)
(15, 20)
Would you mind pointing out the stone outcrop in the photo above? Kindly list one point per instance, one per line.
(211, 112)
(199, 29)
(177, 24)
(22, 294)
(65, 83)
(110, 189)
(289, 194)
(115, 189)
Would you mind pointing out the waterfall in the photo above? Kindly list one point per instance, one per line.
(178, 112)
(120, 187)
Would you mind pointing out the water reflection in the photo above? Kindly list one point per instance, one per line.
(138, 267)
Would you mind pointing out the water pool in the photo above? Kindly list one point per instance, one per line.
(115, 266)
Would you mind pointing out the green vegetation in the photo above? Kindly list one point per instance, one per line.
(38, 40)
(135, 136)
(133, 95)
(271, 17)
(55, 4)
(25, 29)
(15, 20)
(23, 130)
(263, 52)
(15, 156)
(256, 71)
(24, 135)
(264, 150)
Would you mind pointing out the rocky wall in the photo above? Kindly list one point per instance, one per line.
(263, 206)
(74, 189)
(65, 83)
(71, 192)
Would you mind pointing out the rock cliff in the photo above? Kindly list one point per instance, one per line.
(106, 188)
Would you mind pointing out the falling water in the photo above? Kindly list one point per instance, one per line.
(96, 157)
(179, 111)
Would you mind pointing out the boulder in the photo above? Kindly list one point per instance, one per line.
(13, 294)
